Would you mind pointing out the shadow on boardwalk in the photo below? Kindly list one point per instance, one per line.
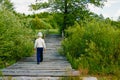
(53, 66)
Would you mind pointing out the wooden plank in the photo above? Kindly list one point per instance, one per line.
(40, 68)
(29, 78)
(19, 72)
(45, 58)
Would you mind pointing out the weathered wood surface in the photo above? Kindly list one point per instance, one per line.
(53, 65)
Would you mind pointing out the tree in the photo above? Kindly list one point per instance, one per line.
(6, 4)
(72, 10)
(101, 16)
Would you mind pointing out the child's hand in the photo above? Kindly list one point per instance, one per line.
(44, 50)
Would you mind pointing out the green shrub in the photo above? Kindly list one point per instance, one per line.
(37, 23)
(15, 39)
(93, 46)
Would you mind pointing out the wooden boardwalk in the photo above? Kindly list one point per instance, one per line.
(53, 66)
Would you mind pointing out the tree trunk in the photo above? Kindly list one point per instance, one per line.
(65, 18)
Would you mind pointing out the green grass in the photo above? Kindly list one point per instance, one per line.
(54, 31)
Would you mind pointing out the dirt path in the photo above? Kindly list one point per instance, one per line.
(53, 66)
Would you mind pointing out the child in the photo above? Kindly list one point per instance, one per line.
(39, 46)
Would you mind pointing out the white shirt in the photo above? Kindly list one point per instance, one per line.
(39, 43)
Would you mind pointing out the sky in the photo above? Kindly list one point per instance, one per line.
(111, 8)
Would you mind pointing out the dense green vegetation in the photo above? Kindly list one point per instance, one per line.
(15, 37)
(94, 46)
(15, 41)
(46, 20)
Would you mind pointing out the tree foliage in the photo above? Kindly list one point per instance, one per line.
(73, 10)
(6, 4)
(39, 6)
